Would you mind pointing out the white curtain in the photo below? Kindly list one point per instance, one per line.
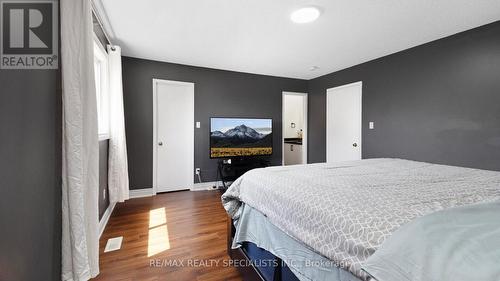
(117, 164)
(80, 243)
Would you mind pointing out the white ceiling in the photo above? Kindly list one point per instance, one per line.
(256, 36)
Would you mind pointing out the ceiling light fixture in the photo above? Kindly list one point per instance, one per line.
(305, 15)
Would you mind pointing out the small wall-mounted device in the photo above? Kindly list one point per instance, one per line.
(198, 124)
(292, 125)
(371, 125)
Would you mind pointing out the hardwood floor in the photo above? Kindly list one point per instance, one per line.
(173, 236)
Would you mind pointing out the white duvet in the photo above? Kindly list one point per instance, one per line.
(345, 211)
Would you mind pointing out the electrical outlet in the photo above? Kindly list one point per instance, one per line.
(197, 171)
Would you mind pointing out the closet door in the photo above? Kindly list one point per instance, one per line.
(344, 123)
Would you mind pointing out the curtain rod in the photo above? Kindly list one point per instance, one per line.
(96, 14)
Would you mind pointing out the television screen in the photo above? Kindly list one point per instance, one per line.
(238, 137)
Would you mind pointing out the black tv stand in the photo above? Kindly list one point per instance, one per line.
(228, 170)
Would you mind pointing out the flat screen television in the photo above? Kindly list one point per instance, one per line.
(240, 137)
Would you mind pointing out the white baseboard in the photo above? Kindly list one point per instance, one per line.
(105, 218)
(146, 192)
(138, 193)
(205, 186)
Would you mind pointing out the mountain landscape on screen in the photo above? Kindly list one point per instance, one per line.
(241, 136)
(241, 140)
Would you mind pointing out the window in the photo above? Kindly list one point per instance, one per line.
(102, 88)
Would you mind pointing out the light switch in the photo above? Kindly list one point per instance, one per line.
(371, 125)
(198, 124)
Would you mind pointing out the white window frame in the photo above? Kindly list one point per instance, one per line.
(102, 93)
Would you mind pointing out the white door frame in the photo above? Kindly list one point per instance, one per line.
(155, 129)
(361, 112)
(304, 132)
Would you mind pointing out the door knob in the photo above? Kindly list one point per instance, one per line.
(355, 144)
(160, 143)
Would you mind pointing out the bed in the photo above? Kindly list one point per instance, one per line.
(344, 212)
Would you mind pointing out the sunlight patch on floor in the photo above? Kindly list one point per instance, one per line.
(157, 217)
(158, 240)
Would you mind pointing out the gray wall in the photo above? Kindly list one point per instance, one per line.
(30, 171)
(439, 102)
(217, 93)
(30, 175)
(103, 177)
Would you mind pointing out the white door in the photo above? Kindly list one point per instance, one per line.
(343, 113)
(173, 135)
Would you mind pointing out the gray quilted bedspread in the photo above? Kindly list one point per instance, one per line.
(346, 210)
